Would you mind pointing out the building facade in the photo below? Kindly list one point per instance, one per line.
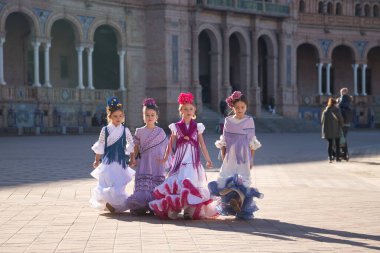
(60, 60)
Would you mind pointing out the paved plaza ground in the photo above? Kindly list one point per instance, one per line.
(309, 204)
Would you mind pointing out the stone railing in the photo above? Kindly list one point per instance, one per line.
(247, 6)
(337, 20)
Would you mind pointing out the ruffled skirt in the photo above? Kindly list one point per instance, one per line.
(175, 195)
(112, 180)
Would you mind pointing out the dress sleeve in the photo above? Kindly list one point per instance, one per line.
(221, 142)
(201, 128)
(255, 144)
(130, 144)
(173, 128)
(136, 137)
(98, 146)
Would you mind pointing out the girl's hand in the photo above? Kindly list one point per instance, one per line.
(95, 164)
(132, 162)
(209, 164)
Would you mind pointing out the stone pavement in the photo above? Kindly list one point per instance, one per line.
(309, 205)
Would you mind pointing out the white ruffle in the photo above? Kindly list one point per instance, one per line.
(201, 128)
(98, 146)
(221, 142)
(255, 144)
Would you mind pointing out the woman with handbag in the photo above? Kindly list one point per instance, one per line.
(332, 122)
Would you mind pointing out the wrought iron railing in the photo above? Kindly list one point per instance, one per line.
(251, 6)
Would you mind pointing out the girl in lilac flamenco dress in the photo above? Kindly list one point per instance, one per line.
(115, 144)
(150, 143)
(237, 146)
(186, 187)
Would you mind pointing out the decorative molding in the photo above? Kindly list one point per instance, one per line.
(86, 22)
(361, 46)
(325, 45)
(42, 16)
(123, 25)
(2, 6)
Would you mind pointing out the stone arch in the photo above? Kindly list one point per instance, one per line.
(239, 64)
(314, 44)
(307, 75)
(213, 78)
(341, 67)
(121, 40)
(373, 70)
(32, 18)
(267, 67)
(349, 44)
(77, 27)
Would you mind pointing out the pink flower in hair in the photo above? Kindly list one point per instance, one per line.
(185, 98)
(149, 101)
(234, 96)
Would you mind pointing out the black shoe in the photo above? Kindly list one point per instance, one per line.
(338, 160)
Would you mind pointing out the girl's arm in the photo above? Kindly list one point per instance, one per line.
(252, 156)
(97, 161)
(205, 151)
(168, 149)
(223, 152)
(132, 156)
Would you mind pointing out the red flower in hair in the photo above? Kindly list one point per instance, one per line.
(234, 96)
(185, 98)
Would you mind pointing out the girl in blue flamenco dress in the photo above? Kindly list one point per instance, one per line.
(237, 146)
(115, 144)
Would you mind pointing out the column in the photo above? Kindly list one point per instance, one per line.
(355, 67)
(2, 81)
(80, 67)
(89, 67)
(320, 66)
(195, 56)
(36, 46)
(255, 60)
(226, 62)
(328, 88)
(121, 68)
(47, 65)
(364, 67)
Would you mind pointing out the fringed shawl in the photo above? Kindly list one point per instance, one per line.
(238, 136)
(116, 151)
(186, 136)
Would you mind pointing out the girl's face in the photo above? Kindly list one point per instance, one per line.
(117, 117)
(150, 117)
(239, 109)
(187, 111)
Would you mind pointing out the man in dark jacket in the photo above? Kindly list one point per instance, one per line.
(344, 104)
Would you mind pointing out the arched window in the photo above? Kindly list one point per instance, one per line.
(320, 7)
(376, 11)
(338, 9)
(358, 10)
(302, 6)
(367, 12)
(329, 8)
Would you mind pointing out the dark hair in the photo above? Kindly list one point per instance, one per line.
(151, 107)
(242, 98)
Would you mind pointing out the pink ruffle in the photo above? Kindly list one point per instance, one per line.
(173, 196)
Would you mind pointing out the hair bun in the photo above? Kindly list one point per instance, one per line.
(113, 103)
(234, 96)
(185, 98)
(149, 101)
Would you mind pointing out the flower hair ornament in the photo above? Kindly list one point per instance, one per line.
(149, 102)
(185, 98)
(113, 104)
(234, 96)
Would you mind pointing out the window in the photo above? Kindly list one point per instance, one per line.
(302, 6)
(320, 7)
(367, 10)
(338, 9)
(330, 8)
(358, 10)
(376, 11)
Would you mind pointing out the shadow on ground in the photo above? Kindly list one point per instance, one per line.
(274, 229)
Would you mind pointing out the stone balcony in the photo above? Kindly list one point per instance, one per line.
(353, 22)
(244, 6)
